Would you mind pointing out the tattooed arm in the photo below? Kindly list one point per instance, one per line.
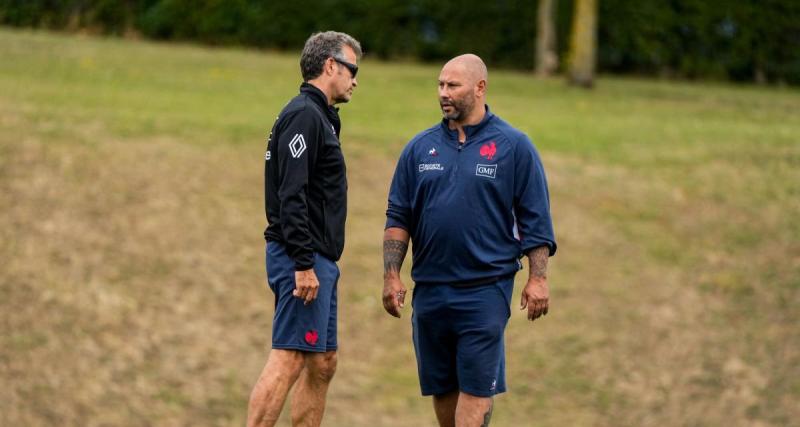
(536, 295)
(395, 246)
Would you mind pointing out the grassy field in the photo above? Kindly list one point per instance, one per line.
(132, 286)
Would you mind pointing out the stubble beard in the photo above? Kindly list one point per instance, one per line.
(341, 98)
(461, 109)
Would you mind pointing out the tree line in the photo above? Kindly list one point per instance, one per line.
(738, 40)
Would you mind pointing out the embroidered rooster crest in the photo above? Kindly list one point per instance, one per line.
(311, 337)
(433, 152)
(489, 150)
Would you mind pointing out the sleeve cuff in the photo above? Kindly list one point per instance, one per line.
(531, 246)
(303, 261)
(393, 222)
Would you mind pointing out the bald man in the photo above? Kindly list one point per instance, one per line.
(471, 193)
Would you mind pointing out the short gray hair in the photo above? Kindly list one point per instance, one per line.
(321, 46)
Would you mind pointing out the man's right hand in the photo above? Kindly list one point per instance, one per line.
(306, 285)
(394, 295)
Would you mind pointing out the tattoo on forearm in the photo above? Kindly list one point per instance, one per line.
(538, 258)
(488, 415)
(394, 251)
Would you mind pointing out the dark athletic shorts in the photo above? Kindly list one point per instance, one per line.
(296, 326)
(458, 337)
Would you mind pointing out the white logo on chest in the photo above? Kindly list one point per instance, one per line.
(430, 167)
(489, 171)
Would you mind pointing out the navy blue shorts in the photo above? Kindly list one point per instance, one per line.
(458, 337)
(296, 326)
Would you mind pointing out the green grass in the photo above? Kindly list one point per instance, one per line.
(132, 287)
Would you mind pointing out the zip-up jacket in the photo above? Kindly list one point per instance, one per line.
(472, 209)
(305, 188)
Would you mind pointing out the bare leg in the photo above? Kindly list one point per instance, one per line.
(473, 411)
(445, 407)
(279, 373)
(308, 396)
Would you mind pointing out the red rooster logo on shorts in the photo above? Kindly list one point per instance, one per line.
(311, 337)
(488, 150)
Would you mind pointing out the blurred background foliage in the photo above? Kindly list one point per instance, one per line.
(746, 40)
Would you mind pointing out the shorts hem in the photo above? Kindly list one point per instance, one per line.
(303, 348)
(438, 392)
(483, 393)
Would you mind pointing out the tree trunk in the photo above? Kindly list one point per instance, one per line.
(583, 43)
(546, 57)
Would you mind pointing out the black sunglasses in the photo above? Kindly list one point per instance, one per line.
(352, 67)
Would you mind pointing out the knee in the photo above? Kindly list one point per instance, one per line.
(283, 367)
(291, 367)
(471, 399)
(324, 366)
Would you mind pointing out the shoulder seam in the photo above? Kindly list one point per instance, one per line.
(302, 108)
(423, 134)
(513, 136)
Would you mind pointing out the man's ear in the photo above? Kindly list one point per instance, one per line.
(330, 67)
(480, 88)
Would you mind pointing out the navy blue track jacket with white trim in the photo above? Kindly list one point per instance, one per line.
(472, 209)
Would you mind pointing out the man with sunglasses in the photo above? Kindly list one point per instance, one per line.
(306, 205)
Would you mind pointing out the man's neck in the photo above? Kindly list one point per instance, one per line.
(317, 83)
(475, 117)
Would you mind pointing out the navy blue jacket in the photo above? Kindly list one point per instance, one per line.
(305, 188)
(472, 209)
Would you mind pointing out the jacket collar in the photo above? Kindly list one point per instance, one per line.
(319, 98)
(316, 94)
(471, 130)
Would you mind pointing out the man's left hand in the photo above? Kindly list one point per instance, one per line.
(536, 298)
